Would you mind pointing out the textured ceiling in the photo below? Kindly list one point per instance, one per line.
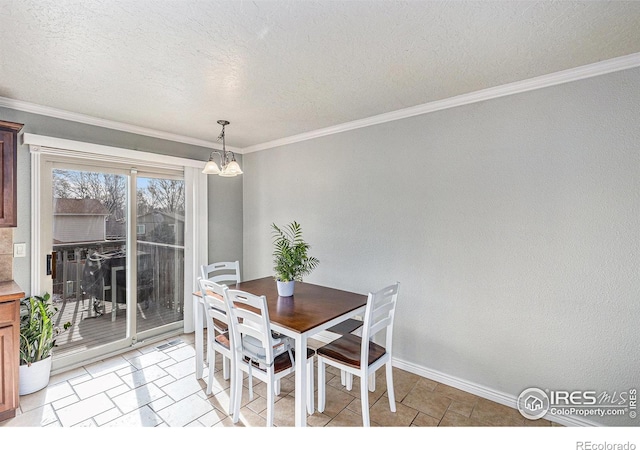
(279, 68)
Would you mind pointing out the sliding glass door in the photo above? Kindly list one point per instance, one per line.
(160, 245)
(114, 297)
(88, 256)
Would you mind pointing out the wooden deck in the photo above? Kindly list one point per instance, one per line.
(90, 330)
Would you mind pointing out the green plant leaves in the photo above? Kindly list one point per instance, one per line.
(37, 330)
(290, 259)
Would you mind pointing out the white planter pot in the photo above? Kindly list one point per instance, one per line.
(34, 377)
(285, 288)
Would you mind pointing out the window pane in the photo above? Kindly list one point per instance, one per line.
(160, 236)
(89, 237)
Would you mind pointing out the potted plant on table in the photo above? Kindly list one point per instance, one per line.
(37, 339)
(290, 257)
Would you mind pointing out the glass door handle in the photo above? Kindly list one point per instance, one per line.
(51, 264)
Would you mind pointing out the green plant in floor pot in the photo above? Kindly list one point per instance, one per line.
(291, 260)
(37, 339)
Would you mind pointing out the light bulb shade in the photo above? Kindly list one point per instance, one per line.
(211, 168)
(231, 170)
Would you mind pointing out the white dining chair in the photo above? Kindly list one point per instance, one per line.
(218, 337)
(359, 355)
(223, 272)
(258, 352)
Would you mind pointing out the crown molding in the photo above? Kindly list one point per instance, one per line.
(104, 123)
(517, 87)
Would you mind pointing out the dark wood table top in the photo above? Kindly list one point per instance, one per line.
(310, 306)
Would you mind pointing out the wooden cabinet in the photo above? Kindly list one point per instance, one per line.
(8, 160)
(10, 296)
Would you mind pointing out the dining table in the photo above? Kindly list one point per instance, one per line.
(310, 310)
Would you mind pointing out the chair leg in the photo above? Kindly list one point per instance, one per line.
(270, 401)
(321, 386)
(310, 387)
(349, 381)
(343, 377)
(225, 367)
(276, 389)
(364, 394)
(237, 396)
(207, 356)
(390, 392)
(210, 379)
(211, 359)
(372, 382)
(232, 386)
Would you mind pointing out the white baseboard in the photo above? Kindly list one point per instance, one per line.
(485, 392)
(470, 387)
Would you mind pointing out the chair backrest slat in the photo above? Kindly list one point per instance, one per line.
(215, 307)
(378, 316)
(379, 325)
(221, 272)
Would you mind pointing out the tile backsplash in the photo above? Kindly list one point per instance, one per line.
(6, 254)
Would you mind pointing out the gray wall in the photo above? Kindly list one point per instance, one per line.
(513, 226)
(225, 217)
(225, 194)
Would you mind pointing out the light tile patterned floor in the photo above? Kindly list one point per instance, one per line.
(153, 387)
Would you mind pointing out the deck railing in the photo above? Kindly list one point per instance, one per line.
(160, 272)
(85, 289)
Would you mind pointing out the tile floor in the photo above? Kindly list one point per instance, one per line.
(152, 387)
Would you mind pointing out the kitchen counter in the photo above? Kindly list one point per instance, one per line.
(10, 291)
(10, 296)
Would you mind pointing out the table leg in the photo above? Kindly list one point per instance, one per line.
(301, 381)
(199, 336)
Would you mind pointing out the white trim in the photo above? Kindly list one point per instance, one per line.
(195, 239)
(517, 87)
(104, 153)
(36, 208)
(565, 76)
(131, 266)
(485, 392)
(33, 108)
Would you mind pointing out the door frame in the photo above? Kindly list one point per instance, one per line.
(44, 149)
